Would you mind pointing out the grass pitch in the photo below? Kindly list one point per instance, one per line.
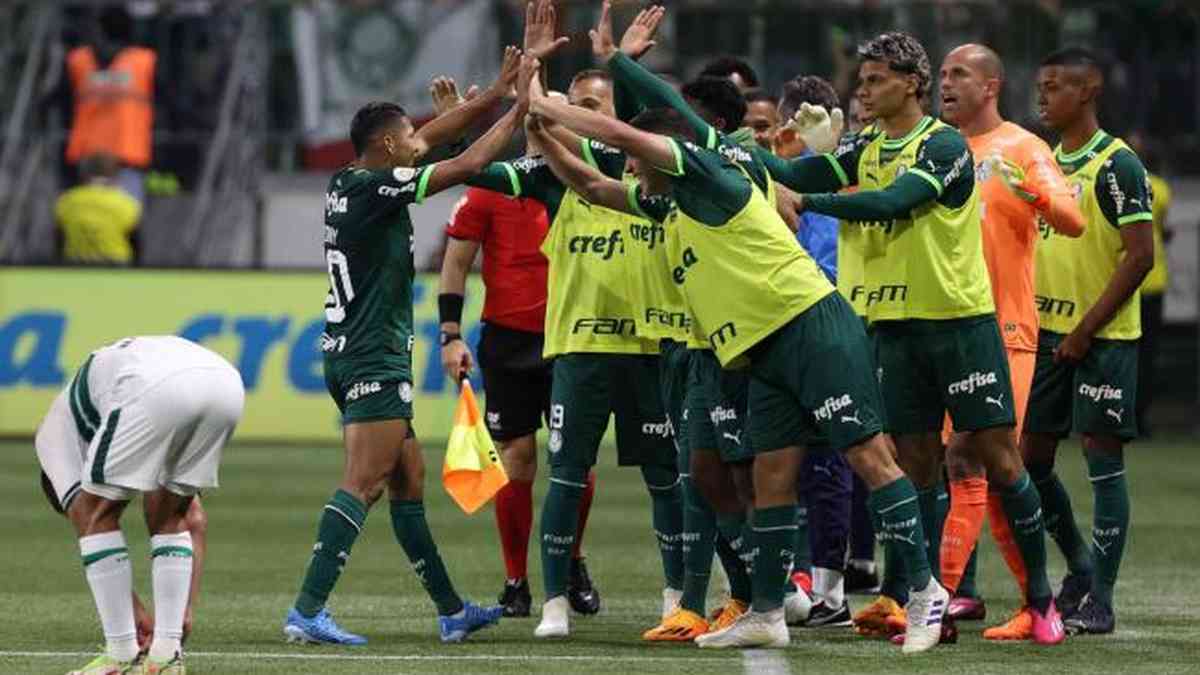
(263, 520)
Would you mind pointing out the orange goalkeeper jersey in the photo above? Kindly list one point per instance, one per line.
(1011, 224)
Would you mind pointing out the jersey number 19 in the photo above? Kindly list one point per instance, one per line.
(341, 291)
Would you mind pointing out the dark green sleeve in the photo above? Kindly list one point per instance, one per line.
(497, 177)
(391, 189)
(525, 177)
(651, 91)
(654, 207)
(1123, 190)
(604, 158)
(707, 186)
(944, 159)
(625, 102)
(895, 201)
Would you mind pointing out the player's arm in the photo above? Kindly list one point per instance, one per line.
(582, 177)
(454, 171)
(466, 229)
(829, 172)
(1127, 207)
(1038, 181)
(450, 126)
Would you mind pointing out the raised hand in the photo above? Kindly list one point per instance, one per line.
(819, 128)
(444, 93)
(528, 81)
(603, 45)
(507, 79)
(1011, 175)
(540, 21)
(639, 37)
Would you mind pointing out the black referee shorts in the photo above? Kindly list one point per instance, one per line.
(516, 381)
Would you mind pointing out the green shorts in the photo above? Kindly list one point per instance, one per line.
(716, 408)
(813, 382)
(587, 389)
(674, 363)
(929, 368)
(1095, 396)
(370, 390)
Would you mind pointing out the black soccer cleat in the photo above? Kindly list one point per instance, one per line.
(515, 598)
(1092, 618)
(824, 616)
(1070, 596)
(581, 594)
(860, 581)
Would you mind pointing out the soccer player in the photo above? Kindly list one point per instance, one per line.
(143, 415)
(762, 115)
(760, 299)
(516, 377)
(368, 342)
(734, 69)
(1085, 378)
(928, 296)
(1020, 186)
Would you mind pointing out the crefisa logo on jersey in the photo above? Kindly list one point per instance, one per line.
(1104, 392)
(361, 389)
(406, 392)
(970, 383)
(832, 405)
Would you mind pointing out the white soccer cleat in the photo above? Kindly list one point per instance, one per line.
(555, 619)
(752, 629)
(796, 607)
(926, 609)
(671, 600)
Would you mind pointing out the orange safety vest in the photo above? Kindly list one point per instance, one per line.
(114, 112)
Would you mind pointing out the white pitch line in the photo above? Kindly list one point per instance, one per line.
(402, 657)
(765, 662)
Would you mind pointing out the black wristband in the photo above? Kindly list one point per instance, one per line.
(450, 307)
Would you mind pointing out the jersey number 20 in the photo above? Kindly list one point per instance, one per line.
(341, 291)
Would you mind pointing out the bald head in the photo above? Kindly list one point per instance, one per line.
(981, 58)
(972, 77)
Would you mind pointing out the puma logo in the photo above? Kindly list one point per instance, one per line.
(998, 400)
(736, 438)
(852, 418)
(1115, 414)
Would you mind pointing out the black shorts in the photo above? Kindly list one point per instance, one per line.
(516, 381)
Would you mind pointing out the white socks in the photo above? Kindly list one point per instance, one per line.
(828, 586)
(172, 571)
(110, 576)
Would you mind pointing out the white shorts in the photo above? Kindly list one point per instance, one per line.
(170, 434)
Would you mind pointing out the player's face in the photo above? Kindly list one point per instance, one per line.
(399, 142)
(763, 118)
(1061, 97)
(964, 89)
(593, 93)
(883, 91)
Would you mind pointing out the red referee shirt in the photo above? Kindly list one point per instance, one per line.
(514, 269)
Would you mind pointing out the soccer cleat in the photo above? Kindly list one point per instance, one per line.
(925, 610)
(671, 600)
(797, 605)
(882, 618)
(824, 616)
(318, 629)
(949, 635)
(1070, 596)
(106, 665)
(582, 595)
(515, 598)
(472, 617)
(682, 626)
(1048, 627)
(966, 608)
(803, 581)
(1018, 627)
(1092, 618)
(724, 617)
(555, 622)
(861, 581)
(173, 666)
(750, 630)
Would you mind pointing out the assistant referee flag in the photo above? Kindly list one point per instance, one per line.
(472, 472)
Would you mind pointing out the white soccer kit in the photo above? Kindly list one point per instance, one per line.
(140, 414)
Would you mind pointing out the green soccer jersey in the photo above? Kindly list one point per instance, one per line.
(369, 255)
(1113, 191)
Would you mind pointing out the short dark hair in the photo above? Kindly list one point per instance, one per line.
(902, 53)
(664, 121)
(720, 98)
(758, 94)
(591, 74)
(808, 89)
(370, 119)
(1072, 56)
(724, 66)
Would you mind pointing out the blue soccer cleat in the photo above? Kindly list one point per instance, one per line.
(472, 617)
(320, 629)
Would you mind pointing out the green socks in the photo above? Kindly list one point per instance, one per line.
(1023, 506)
(699, 538)
(774, 533)
(729, 549)
(667, 512)
(899, 519)
(412, 531)
(801, 548)
(934, 504)
(1110, 522)
(341, 521)
(560, 516)
(1059, 518)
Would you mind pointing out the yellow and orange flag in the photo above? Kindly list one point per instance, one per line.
(472, 472)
